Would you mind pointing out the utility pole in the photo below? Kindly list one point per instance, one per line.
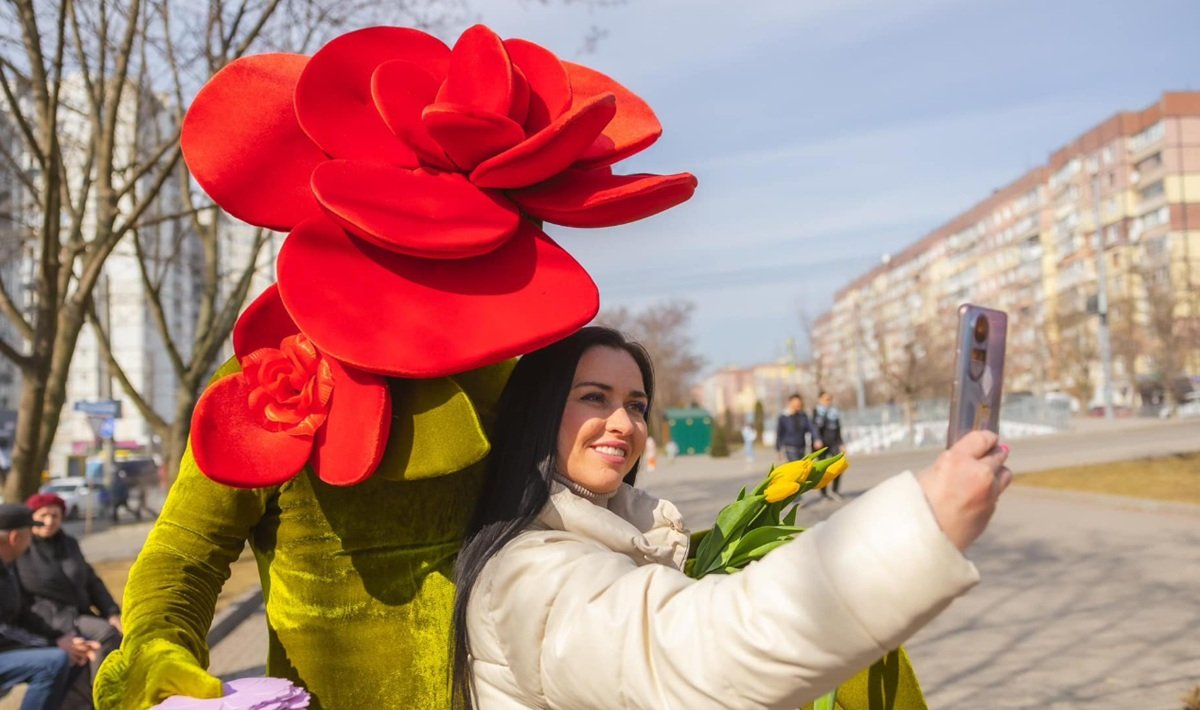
(1102, 298)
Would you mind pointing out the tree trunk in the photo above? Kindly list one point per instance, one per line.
(26, 473)
(175, 441)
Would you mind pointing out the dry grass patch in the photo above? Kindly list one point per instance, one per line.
(243, 576)
(1172, 478)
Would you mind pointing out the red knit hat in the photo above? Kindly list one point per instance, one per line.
(38, 501)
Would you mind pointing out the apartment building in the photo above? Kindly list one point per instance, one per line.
(1121, 203)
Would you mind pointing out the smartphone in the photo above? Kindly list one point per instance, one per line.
(978, 371)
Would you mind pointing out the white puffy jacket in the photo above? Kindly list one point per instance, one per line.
(589, 608)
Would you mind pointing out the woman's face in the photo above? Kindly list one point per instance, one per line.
(51, 518)
(603, 430)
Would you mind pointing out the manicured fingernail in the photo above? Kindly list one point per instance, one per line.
(1004, 448)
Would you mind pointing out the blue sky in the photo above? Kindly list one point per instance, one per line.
(826, 134)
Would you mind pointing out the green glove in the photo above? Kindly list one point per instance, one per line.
(155, 671)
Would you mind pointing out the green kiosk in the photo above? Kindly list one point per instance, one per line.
(690, 429)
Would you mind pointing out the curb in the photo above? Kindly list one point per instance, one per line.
(233, 615)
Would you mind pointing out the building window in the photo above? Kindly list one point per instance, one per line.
(1147, 137)
(1152, 191)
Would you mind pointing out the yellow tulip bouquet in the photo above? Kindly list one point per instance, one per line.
(756, 523)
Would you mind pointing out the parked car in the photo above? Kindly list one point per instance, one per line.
(79, 495)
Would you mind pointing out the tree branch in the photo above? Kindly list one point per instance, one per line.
(16, 114)
(24, 329)
(151, 195)
(149, 164)
(154, 301)
(25, 362)
(117, 371)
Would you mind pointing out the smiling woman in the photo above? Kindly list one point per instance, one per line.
(570, 583)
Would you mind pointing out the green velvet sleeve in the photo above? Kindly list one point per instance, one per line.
(172, 590)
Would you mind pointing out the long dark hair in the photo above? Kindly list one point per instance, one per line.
(524, 456)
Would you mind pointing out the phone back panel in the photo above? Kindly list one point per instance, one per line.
(978, 371)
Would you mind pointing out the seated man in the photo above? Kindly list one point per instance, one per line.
(30, 651)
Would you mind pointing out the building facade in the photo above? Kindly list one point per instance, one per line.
(1119, 205)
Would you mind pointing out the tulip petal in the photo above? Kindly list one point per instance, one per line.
(633, 129)
(333, 97)
(470, 136)
(549, 151)
(348, 448)
(597, 198)
(414, 212)
(480, 74)
(396, 315)
(264, 324)
(549, 86)
(232, 447)
(401, 90)
(242, 143)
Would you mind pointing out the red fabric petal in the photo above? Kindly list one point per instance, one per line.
(597, 198)
(480, 75)
(264, 324)
(633, 129)
(396, 315)
(401, 90)
(549, 86)
(470, 136)
(348, 448)
(232, 447)
(518, 110)
(242, 143)
(414, 212)
(333, 97)
(549, 151)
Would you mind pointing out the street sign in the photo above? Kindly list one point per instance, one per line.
(106, 428)
(102, 408)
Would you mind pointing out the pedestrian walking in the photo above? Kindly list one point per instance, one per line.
(794, 432)
(827, 420)
(748, 437)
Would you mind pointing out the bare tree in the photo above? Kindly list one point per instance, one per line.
(1074, 349)
(663, 329)
(910, 367)
(87, 87)
(1171, 332)
(224, 282)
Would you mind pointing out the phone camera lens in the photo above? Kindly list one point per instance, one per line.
(981, 329)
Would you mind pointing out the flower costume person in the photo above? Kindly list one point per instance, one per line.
(344, 440)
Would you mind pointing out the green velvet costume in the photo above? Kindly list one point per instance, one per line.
(356, 580)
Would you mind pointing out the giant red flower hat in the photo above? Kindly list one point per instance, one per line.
(414, 180)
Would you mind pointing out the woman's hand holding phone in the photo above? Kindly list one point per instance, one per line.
(964, 483)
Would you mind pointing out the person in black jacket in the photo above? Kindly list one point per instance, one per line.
(827, 420)
(794, 431)
(31, 651)
(65, 591)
